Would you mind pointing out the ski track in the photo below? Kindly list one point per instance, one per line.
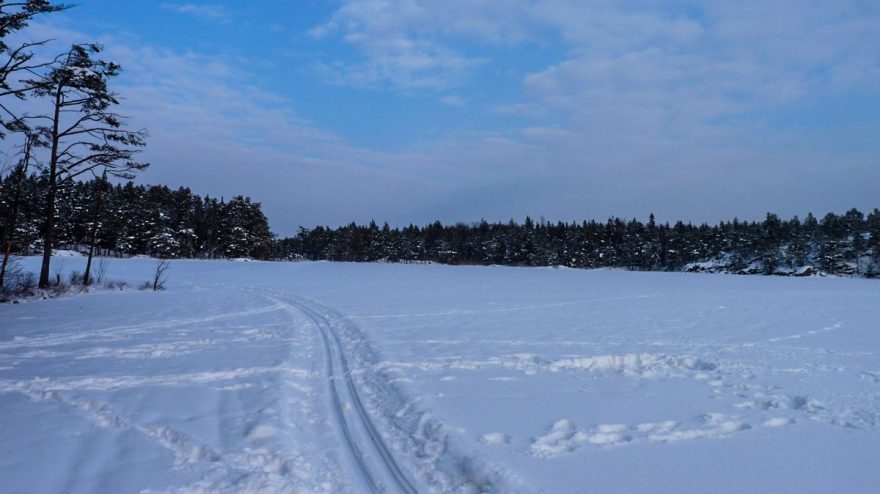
(430, 463)
(362, 439)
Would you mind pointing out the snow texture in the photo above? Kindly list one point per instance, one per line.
(332, 377)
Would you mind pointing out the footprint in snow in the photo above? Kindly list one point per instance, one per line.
(260, 431)
(778, 422)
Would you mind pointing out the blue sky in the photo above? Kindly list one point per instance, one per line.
(415, 110)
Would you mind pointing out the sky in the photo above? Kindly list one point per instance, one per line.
(409, 111)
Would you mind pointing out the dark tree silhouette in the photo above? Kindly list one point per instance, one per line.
(17, 184)
(127, 219)
(843, 245)
(83, 132)
(95, 225)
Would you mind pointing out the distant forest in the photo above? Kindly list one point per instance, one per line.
(127, 219)
(846, 244)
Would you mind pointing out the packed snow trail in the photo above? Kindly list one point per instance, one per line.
(376, 464)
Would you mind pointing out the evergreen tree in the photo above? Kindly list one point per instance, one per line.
(84, 134)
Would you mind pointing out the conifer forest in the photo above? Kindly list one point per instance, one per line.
(128, 220)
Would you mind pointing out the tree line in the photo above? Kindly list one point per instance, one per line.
(128, 219)
(847, 244)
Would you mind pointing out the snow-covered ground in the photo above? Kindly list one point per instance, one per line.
(323, 377)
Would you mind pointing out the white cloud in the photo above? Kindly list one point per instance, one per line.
(453, 100)
(723, 56)
(401, 63)
(404, 44)
(206, 12)
(498, 22)
(655, 75)
(520, 109)
(648, 105)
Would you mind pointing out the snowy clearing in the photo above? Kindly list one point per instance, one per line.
(332, 377)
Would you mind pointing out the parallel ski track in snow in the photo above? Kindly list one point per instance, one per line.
(361, 437)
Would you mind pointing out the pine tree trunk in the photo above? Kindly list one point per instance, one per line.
(49, 227)
(6, 253)
(48, 231)
(94, 233)
(86, 279)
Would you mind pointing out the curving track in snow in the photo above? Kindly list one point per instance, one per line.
(375, 464)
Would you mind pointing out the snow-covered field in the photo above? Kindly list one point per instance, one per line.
(323, 377)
